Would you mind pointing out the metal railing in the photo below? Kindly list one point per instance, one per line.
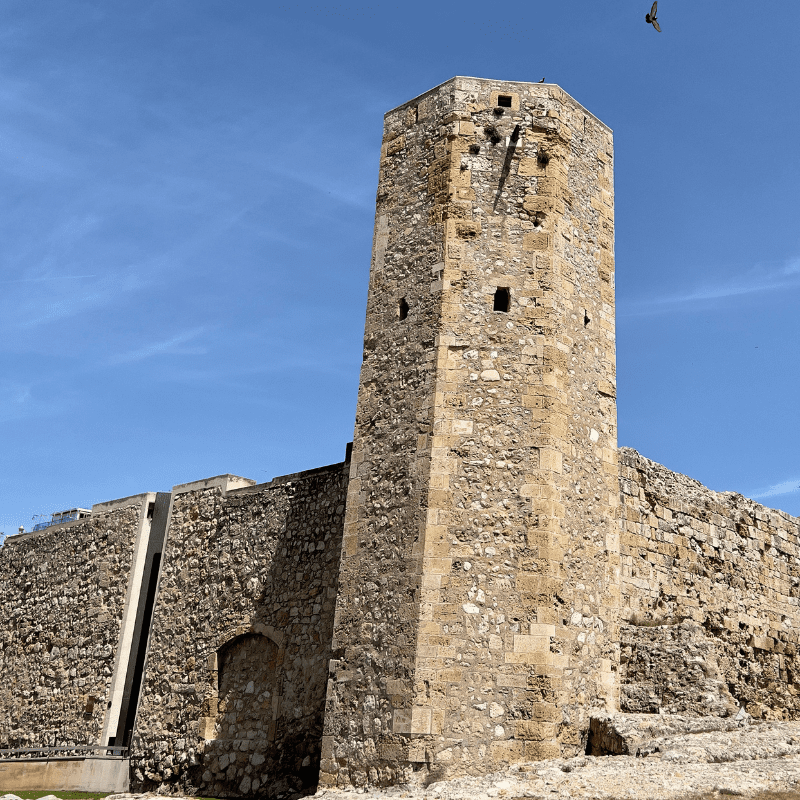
(59, 518)
(64, 752)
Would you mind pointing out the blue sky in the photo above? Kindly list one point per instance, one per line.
(187, 210)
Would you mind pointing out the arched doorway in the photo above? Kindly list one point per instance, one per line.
(247, 682)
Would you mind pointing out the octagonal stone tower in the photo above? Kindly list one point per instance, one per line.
(476, 620)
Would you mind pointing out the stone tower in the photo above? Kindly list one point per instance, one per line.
(476, 621)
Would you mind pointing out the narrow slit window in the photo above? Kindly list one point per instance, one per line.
(403, 308)
(502, 299)
(504, 100)
(586, 318)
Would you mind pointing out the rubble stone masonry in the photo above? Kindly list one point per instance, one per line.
(234, 689)
(711, 596)
(476, 621)
(62, 599)
(482, 575)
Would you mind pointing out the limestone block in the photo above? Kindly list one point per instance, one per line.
(513, 98)
(508, 751)
(536, 241)
(396, 145)
(421, 719)
(401, 720)
(512, 681)
(530, 167)
(535, 730)
(540, 750)
(607, 388)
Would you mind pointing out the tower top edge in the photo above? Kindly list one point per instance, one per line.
(498, 84)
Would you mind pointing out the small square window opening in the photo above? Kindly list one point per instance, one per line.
(502, 299)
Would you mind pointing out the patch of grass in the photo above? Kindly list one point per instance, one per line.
(58, 793)
(74, 795)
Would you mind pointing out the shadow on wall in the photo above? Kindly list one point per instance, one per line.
(236, 708)
(246, 705)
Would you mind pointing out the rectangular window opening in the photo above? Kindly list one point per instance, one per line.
(504, 100)
(502, 299)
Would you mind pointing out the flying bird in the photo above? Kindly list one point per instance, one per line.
(651, 17)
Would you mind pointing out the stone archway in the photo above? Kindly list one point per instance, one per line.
(247, 686)
(247, 681)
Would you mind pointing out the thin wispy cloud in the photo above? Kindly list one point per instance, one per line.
(46, 278)
(108, 287)
(16, 393)
(34, 158)
(243, 377)
(757, 280)
(104, 293)
(171, 346)
(21, 400)
(784, 487)
(324, 185)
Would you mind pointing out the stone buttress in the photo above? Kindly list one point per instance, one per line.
(476, 621)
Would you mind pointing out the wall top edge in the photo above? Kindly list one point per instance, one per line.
(122, 502)
(497, 84)
(282, 480)
(16, 538)
(225, 482)
(97, 508)
(634, 459)
(11, 538)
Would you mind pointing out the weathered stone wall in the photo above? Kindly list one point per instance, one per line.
(62, 598)
(672, 669)
(473, 551)
(476, 620)
(727, 564)
(377, 619)
(234, 688)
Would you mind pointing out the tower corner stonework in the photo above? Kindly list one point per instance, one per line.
(477, 612)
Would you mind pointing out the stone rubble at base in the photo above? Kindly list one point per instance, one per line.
(747, 761)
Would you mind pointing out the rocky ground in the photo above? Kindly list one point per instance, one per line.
(674, 762)
(660, 758)
(678, 758)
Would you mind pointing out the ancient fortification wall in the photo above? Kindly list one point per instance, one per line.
(711, 597)
(487, 570)
(476, 619)
(237, 668)
(62, 597)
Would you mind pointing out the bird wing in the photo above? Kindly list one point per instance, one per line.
(656, 26)
(654, 9)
